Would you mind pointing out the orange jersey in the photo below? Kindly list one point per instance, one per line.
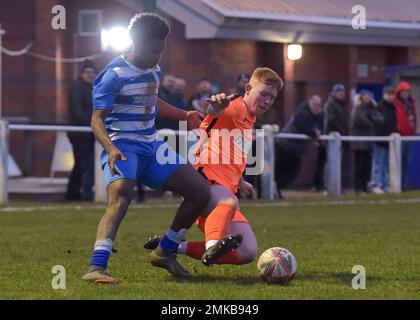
(224, 144)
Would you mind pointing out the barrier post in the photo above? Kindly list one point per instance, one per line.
(4, 153)
(334, 165)
(267, 177)
(395, 163)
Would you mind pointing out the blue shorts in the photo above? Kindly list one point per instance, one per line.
(152, 164)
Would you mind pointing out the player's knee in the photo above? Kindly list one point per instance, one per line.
(119, 198)
(231, 201)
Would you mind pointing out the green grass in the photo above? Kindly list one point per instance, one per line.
(327, 240)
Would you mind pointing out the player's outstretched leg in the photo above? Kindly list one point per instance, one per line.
(194, 189)
(119, 196)
(246, 253)
(227, 244)
(221, 209)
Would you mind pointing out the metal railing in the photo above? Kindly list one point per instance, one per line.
(334, 157)
(333, 167)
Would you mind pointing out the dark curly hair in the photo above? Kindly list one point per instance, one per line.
(148, 26)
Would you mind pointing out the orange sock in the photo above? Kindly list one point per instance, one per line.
(196, 250)
(217, 223)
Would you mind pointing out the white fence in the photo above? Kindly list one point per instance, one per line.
(333, 167)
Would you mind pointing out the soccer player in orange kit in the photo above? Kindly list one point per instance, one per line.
(221, 159)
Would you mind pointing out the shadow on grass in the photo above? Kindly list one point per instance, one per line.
(239, 280)
(342, 277)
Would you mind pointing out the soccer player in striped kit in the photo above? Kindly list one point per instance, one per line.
(125, 105)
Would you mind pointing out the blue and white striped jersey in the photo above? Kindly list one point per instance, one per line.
(131, 95)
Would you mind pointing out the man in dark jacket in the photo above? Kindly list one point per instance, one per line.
(290, 151)
(380, 163)
(365, 118)
(81, 177)
(167, 94)
(335, 111)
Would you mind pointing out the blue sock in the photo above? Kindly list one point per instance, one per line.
(172, 239)
(101, 253)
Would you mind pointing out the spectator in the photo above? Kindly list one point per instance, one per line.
(365, 118)
(380, 164)
(172, 91)
(180, 86)
(167, 89)
(335, 111)
(241, 81)
(405, 107)
(167, 93)
(198, 102)
(290, 151)
(81, 177)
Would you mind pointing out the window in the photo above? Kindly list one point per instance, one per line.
(90, 22)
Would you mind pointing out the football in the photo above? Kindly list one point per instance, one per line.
(277, 265)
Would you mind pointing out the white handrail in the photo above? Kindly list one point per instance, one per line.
(344, 138)
(334, 146)
(298, 136)
(281, 135)
(51, 128)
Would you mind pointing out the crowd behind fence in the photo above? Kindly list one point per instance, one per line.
(333, 166)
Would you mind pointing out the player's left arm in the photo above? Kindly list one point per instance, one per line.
(193, 118)
(247, 188)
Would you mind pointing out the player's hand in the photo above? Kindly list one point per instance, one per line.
(248, 189)
(194, 119)
(113, 155)
(220, 101)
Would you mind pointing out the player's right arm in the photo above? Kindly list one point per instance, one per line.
(218, 103)
(105, 90)
(99, 130)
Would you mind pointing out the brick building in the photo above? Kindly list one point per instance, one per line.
(215, 39)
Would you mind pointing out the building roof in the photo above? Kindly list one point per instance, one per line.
(405, 11)
(388, 22)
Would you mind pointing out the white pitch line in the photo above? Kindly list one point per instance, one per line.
(248, 204)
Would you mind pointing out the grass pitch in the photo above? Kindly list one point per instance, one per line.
(328, 237)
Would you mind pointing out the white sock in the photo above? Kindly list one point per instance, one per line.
(182, 248)
(211, 243)
(104, 244)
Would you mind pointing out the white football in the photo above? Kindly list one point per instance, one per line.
(277, 265)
